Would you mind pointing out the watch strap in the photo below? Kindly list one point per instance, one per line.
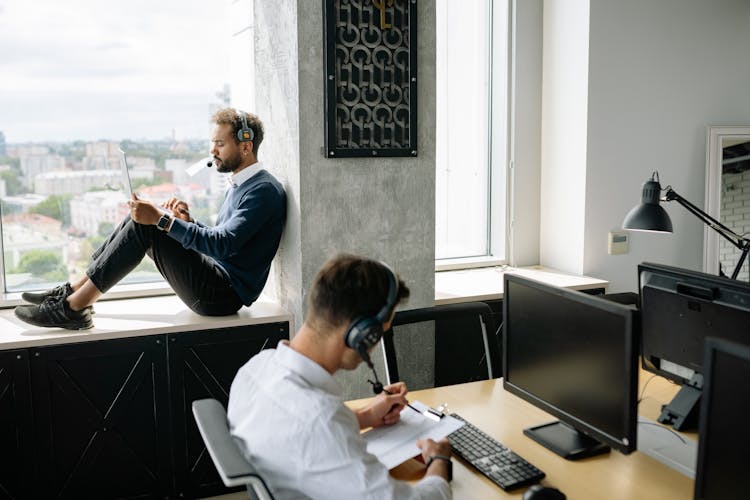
(446, 459)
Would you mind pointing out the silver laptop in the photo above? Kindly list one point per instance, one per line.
(126, 184)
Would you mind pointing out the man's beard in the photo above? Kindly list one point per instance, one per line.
(230, 164)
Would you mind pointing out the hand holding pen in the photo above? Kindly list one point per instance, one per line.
(385, 408)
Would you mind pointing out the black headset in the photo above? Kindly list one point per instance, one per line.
(245, 133)
(365, 331)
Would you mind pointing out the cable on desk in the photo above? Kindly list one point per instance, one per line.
(640, 398)
(684, 441)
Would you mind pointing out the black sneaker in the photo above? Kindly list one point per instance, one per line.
(38, 297)
(55, 311)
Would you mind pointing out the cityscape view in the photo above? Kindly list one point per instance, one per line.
(60, 200)
(93, 77)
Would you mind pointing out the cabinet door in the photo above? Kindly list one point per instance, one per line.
(101, 416)
(16, 443)
(202, 365)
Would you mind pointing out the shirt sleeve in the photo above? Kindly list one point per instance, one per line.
(342, 467)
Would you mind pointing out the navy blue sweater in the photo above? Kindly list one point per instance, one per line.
(246, 235)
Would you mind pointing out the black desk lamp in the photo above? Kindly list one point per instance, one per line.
(649, 216)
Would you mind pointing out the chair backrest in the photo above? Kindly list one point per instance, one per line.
(231, 465)
(467, 333)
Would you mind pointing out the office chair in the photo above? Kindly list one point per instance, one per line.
(466, 345)
(233, 468)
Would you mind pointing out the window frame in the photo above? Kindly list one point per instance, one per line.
(498, 161)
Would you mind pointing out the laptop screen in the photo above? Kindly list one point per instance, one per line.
(125, 175)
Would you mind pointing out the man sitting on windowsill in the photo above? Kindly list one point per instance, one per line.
(214, 270)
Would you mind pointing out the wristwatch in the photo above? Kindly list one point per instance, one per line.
(164, 221)
(447, 460)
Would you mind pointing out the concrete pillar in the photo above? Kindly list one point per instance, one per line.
(382, 208)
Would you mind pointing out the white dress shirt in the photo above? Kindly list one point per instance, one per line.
(245, 174)
(289, 418)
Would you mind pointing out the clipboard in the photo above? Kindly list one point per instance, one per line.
(397, 443)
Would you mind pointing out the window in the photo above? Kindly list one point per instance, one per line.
(471, 135)
(81, 79)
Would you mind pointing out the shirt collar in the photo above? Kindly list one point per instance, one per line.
(309, 370)
(244, 174)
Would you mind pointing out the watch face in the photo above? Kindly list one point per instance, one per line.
(163, 222)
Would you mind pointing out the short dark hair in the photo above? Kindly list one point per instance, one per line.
(231, 116)
(349, 287)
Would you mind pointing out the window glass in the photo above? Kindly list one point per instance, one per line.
(471, 114)
(81, 79)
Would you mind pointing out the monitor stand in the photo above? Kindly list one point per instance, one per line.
(566, 441)
(682, 412)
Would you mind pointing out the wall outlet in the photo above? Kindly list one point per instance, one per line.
(618, 242)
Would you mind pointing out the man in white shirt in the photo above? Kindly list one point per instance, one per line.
(287, 411)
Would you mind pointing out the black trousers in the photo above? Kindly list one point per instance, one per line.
(195, 278)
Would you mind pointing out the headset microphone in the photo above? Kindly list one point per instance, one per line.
(210, 163)
(377, 386)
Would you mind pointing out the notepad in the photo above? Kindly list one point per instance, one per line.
(395, 444)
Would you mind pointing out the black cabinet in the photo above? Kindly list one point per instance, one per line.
(101, 416)
(201, 366)
(16, 446)
(113, 418)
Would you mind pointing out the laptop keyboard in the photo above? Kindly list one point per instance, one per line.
(499, 463)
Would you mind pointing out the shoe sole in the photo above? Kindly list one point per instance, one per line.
(68, 326)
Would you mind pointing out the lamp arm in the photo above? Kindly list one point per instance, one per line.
(729, 235)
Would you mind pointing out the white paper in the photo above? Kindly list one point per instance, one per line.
(394, 444)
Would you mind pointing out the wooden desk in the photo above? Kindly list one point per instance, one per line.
(502, 415)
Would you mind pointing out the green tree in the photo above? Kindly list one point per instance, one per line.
(42, 263)
(55, 206)
(13, 184)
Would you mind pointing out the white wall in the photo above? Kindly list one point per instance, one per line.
(526, 115)
(659, 73)
(564, 103)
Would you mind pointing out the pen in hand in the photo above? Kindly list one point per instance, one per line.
(407, 404)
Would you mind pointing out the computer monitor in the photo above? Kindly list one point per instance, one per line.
(574, 356)
(724, 437)
(678, 310)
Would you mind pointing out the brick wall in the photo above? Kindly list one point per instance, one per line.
(735, 214)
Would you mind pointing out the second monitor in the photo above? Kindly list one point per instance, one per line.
(574, 356)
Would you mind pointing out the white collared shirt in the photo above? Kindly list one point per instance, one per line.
(244, 174)
(290, 421)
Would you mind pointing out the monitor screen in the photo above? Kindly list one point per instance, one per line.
(574, 356)
(678, 310)
(724, 438)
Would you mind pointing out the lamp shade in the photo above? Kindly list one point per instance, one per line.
(649, 215)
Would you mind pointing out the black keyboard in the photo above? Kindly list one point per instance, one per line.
(499, 463)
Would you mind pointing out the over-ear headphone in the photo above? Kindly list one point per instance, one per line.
(245, 133)
(364, 332)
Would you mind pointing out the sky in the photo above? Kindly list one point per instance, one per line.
(103, 69)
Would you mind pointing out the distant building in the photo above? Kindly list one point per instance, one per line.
(102, 155)
(26, 150)
(111, 207)
(2, 144)
(33, 165)
(177, 167)
(76, 182)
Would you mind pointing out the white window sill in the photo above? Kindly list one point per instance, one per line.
(469, 285)
(121, 318)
